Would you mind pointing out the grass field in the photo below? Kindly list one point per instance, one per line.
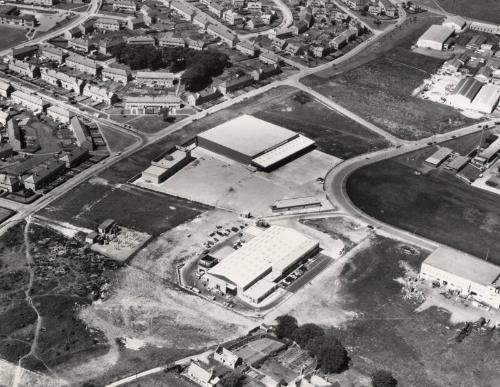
(145, 211)
(487, 10)
(11, 36)
(379, 87)
(334, 133)
(436, 205)
(389, 334)
(117, 141)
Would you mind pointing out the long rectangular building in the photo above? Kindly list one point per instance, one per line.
(250, 140)
(276, 250)
(151, 104)
(464, 273)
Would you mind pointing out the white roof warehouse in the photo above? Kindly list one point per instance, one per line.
(464, 273)
(274, 251)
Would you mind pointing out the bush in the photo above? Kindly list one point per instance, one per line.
(232, 379)
(286, 326)
(306, 333)
(383, 378)
(330, 354)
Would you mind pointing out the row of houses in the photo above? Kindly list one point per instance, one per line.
(43, 174)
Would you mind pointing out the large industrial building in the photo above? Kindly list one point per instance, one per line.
(249, 140)
(252, 271)
(464, 273)
(435, 37)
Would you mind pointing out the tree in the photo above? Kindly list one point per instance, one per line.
(306, 333)
(286, 326)
(329, 353)
(382, 378)
(232, 379)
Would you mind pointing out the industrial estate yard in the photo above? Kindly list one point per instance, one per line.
(249, 194)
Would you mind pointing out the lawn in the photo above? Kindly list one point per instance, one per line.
(145, 211)
(334, 133)
(420, 348)
(486, 10)
(116, 140)
(436, 205)
(11, 36)
(151, 123)
(379, 87)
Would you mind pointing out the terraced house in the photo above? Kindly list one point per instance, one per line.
(116, 73)
(31, 101)
(83, 64)
(24, 68)
(100, 94)
(61, 79)
(107, 24)
(151, 104)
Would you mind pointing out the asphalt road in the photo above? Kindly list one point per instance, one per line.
(94, 7)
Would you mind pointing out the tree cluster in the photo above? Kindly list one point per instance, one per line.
(232, 379)
(383, 378)
(324, 346)
(199, 66)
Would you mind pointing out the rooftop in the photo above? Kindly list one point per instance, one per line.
(276, 246)
(464, 265)
(248, 135)
(437, 33)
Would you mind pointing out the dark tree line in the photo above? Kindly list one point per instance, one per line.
(199, 66)
(324, 346)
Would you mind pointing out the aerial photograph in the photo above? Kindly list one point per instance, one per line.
(250, 193)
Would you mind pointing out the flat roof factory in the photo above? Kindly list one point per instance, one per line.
(269, 255)
(250, 140)
(465, 273)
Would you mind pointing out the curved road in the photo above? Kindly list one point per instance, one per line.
(335, 184)
(94, 7)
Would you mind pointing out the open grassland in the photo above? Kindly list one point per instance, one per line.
(389, 334)
(380, 89)
(146, 211)
(11, 36)
(436, 205)
(486, 10)
(117, 141)
(334, 133)
(66, 276)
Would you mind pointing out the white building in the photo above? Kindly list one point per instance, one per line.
(464, 273)
(99, 94)
(155, 78)
(456, 22)
(60, 114)
(151, 104)
(31, 101)
(464, 93)
(435, 37)
(271, 254)
(487, 99)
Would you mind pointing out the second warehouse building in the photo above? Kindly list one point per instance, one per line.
(253, 270)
